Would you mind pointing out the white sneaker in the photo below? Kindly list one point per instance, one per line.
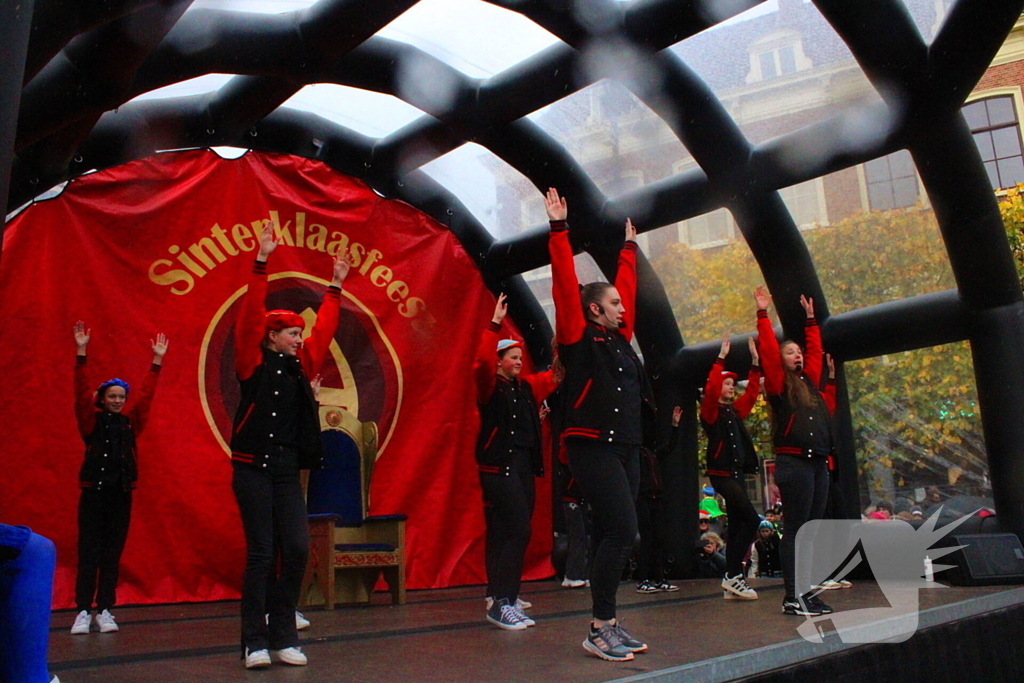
(523, 604)
(301, 622)
(292, 655)
(260, 659)
(736, 588)
(105, 622)
(54, 680)
(82, 622)
(573, 583)
(829, 585)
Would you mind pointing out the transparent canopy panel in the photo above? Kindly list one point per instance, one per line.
(928, 15)
(884, 247)
(708, 284)
(498, 196)
(370, 113)
(620, 143)
(193, 86)
(257, 6)
(477, 38)
(917, 427)
(777, 68)
(539, 281)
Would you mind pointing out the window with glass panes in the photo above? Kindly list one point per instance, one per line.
(993, 123)
(892, 181)
(777, 62)
(803, 204)
(711, 227)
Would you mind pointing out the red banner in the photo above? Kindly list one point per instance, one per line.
(165, 244)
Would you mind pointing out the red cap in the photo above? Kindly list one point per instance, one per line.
(280, 320)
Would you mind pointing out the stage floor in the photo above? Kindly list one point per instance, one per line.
(441, 635)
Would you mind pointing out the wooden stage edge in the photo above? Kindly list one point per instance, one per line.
(441, 635)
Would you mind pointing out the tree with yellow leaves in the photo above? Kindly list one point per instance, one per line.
(915, 414)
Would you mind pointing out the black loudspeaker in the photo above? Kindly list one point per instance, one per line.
(986, 559)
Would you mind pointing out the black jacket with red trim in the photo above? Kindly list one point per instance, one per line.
(262, 374)
(257, 429)
(595, 404)
(504, 404)
(800, 431)
(104, 467)
(511, 404)
(731, 451)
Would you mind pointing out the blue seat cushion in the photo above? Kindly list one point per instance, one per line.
(337, 488)
(365, 548)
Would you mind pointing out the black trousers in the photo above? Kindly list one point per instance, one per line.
(650, 557)
(803, 485)
(273, 514)
(577, 523)
(103, 519)
(508, 511)
(743, 521)
(609, 477)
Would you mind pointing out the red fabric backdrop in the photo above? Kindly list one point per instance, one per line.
(166, 244)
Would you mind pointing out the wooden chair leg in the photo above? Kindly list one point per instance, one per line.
(395, 578)
(318, 582)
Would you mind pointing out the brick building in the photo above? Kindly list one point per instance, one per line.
(774, 73)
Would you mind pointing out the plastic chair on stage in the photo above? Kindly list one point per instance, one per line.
(349, 550)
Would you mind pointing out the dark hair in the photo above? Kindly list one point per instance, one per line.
(592, 294)
(797, 392)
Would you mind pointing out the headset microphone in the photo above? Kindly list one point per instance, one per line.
(622, 323)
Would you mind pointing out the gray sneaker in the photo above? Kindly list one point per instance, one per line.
(607, 644)
(629, 641)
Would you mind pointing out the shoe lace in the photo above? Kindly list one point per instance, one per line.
(621, 632)
(510, 614)
(610, 635)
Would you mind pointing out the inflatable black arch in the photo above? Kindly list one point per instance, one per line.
(67, 68)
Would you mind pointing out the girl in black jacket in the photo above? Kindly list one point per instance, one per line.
(730, 457)
(802, 438)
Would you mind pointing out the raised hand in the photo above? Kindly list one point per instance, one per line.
(500, 310)
(268, 240)
(762, 297)
(677, 415)
(726, 345)
(831, 366)
(342, 265)
(630, 231)
(82, 336)
(159, 347)
(314, 384)
(556, 206)
(752, 345)
(808, 304)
